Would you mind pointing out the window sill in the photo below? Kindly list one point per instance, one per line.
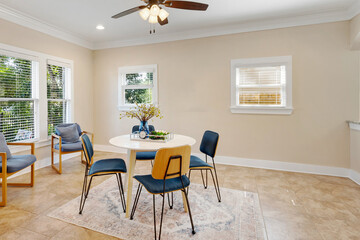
(38, 144)
(262, 110)
(354, 125)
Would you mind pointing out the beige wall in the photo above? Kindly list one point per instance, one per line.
(194, 93)
(18, 36)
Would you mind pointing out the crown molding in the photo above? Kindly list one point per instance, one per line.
(23, 19)
(12, 15)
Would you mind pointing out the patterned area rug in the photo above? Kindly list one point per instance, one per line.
(238, 216)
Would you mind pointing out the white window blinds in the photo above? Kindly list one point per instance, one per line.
(17, 102)
(58, 96)
(261, 86)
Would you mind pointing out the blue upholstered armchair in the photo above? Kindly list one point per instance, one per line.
(11, 164)
(68, 141)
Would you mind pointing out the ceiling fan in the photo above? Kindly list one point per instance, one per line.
(156, 14)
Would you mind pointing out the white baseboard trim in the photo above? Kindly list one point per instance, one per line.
(266, 164)
(41, 163)
(355, 176)
(281, 166)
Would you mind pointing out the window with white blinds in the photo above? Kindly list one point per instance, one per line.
(137, 84)
(18, 104)
(261, 85)
(58, 79)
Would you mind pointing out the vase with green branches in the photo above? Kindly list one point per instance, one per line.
(143, 112)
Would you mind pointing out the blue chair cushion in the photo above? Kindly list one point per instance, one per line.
(108, 165)
(18, 162)
(156, 186)
(70, 147)
(68, 134)
(145, 155)
(196, 162)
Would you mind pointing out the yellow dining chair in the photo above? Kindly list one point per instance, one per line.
(168, 176)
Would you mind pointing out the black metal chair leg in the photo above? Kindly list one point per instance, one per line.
(217, 180)
(162, 215)
(171, 205)
(136, 200)
(82, 200)
(88, 189)
(188, 206)
(121, 191)
(154, 215)
(216, 186)
(202, 177)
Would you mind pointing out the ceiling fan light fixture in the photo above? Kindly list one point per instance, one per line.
(163, 14)
(153, 19)
(145, 13)
(154, 10)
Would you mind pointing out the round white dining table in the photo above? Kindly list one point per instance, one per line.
(134, 146)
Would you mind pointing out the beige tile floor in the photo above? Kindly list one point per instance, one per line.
(294, 205)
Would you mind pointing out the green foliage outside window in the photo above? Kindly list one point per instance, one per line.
(143, 95)
(55, 92)
(16, 117)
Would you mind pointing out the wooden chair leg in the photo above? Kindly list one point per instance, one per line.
(59, 170)
(32, 175)
(4, 191)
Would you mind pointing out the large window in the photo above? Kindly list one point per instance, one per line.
(35, 94)
(261, 85)
(137, 84)
(18, 103)
(58, 95)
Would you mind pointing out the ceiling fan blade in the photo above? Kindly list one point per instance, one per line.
(162, 23)
(186, 5)
(129, 11)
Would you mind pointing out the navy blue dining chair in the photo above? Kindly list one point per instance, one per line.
(208, 146)
(168, 175)
(144, 156)
(102, 167)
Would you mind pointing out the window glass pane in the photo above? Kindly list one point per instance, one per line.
(139, 78)
(255, 96)
(55, 82)
(17, 120)
(56, 114)
(58, 107)
(15, 77)
(133, 96)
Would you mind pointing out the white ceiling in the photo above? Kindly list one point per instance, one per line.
(75, 20)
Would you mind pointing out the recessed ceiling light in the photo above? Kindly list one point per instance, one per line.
(100, 27)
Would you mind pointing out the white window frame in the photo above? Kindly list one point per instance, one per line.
(121, 86)
(40, 89)
(262, 62)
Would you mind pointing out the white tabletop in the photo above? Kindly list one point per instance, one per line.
(124, 141)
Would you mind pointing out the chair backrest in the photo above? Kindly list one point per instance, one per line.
(69, 124)
(209, 143)
(136, 128)
(179, 158)
(87, 148)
